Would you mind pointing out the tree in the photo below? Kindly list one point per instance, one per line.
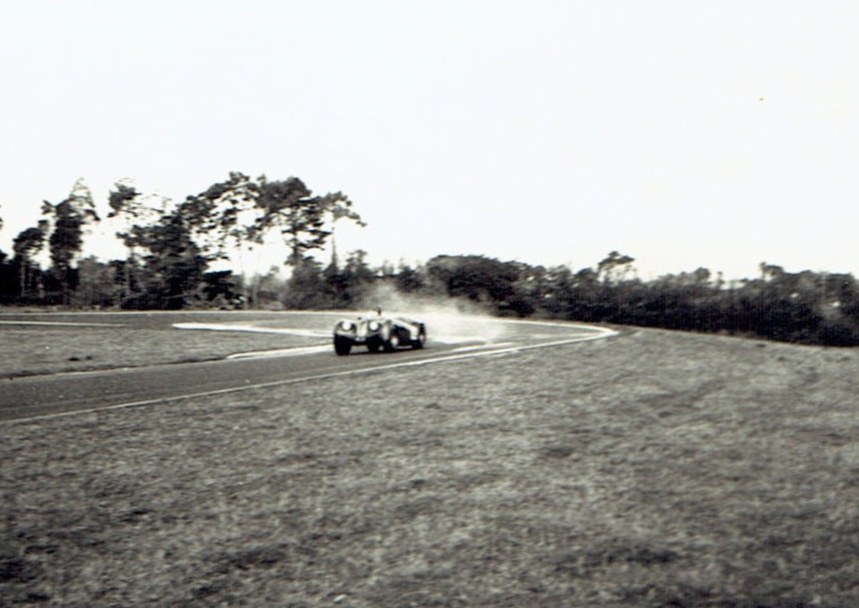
(357, 276)
(165, 266)
(289, 207)
(346, 286)
(614, 267)
(557, 296)
(340, 207)
(223, 215)
(220, 289)
(305, 287)
(268, 288)
(224, 218)
(585, 299)
(532, 291)
(70, 217)
(123, 201)
(408, 279)
(122, 198)
(8, 279)
(174, 266)
(26, 245)
(7, 275)
(237, 214)
(475, 277)
(95, 284)
(136, 214)
(65, 241)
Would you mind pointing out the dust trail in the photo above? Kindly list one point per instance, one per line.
(448, 321)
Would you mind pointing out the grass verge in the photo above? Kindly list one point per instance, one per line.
(39, 350)
(657, 469)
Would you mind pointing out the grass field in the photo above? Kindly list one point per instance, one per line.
(655, 469)
(127, 339)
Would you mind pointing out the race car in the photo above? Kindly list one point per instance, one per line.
(378, 332)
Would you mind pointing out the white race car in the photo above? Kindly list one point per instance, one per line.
(377, 332)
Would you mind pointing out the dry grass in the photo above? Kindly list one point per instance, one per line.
(653, 470)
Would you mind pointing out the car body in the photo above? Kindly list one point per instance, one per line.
(378, 332)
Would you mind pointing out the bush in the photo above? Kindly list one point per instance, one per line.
(838, 332)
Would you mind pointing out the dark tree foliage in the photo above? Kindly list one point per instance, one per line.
(7, 287)
(240, 211)
(8, 279)
(238, 214)
(334, 287)
(221, 289)
(337, 286)
(409, 280)
(120, 200)
(290, 207)
(615, 266)
(173, 267)
(26, 246)
(215, 216)
(478, 278)
(125, 203)
(8, 276)
(94, 285)
(804, 307)
(65, 242)
(69, 218)
(342, 287)
(305, 288)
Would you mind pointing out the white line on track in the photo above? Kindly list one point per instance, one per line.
(282, 352)
(254, 329)
(465, 349)
(601, 334)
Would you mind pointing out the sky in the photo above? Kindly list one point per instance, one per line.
(682, 133)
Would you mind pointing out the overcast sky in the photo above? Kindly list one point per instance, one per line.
(682, 133)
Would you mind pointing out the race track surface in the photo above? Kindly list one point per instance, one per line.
(38, 397)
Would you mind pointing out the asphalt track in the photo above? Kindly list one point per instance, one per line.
(42, 397)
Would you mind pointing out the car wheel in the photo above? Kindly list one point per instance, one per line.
(373, 346)
(393, 342)
(421, 340)
(342, 346)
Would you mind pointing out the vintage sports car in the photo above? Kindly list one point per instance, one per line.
(378, 332)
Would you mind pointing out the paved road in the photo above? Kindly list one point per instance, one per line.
(63, 394)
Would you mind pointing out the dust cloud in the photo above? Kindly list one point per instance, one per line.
(447, 321)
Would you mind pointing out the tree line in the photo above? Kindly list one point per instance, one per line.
(805, 307)
(170, 249)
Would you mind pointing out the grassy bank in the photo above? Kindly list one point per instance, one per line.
(656, 469)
